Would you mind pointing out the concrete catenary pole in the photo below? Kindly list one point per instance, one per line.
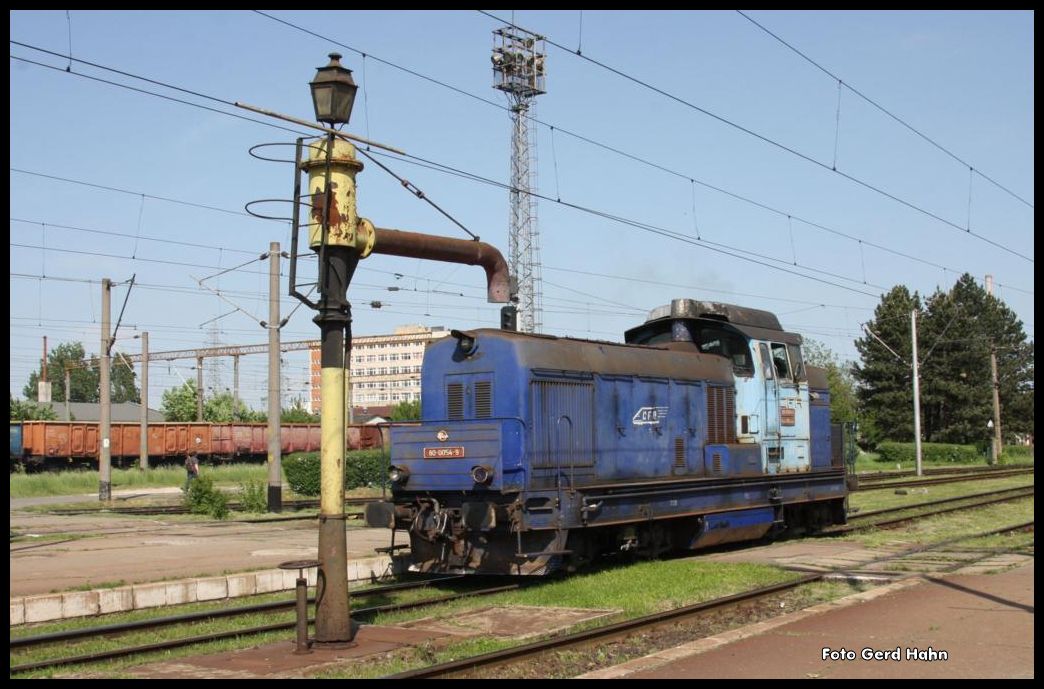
(104, 450)
(68, 393)
(143, 440)
(43, 386)
(916, 391)
(235, 388)
(275, 467)
(199, 388)
(998, 443)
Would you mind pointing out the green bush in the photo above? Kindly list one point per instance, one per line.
(253, 497)
(365, 469)
(302, 473)
(362, 468)
(1017, 453)
(202, 497)
(931, 453)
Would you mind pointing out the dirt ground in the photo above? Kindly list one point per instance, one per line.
(147, 549)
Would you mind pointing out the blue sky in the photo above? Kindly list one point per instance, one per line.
(964, 79)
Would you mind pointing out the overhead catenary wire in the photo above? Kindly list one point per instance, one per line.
(885, 110)
(631, 156)
(262, 274)
(705, 242)
(768, 140)
(610, 148)
(713, 246)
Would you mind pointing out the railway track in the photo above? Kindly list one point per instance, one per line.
(991, 498)
(976, 476)
(460, 668)
(938, 471)
(181, 509)
(25, 643)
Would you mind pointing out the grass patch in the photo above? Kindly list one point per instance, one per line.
(86, 481)
(944, 526)
(30, 538)
(638, 589)
(1021, 542)
(1014, 455)
(885, 497)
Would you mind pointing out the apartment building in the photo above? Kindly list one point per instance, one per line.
(385, 369)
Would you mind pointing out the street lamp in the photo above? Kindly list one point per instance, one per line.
(333, 92)
(340, 238)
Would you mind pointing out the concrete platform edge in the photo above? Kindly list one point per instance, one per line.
(70, 604)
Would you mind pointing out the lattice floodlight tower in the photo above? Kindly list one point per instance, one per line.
(518, 70)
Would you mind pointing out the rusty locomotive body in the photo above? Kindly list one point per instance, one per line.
(538, 453)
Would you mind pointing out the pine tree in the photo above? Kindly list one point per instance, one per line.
(956, 332)
(885, 381)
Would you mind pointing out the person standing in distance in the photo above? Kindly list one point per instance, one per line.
(191, 468)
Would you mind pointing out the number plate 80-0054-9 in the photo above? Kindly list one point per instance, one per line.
(443, 452)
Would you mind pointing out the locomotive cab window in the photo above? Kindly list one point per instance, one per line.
(730, 345)
(766, 361)
(780, 362)
(799, 364)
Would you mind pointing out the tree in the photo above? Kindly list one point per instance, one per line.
(843, 401)
(297, 413)
(956, 332)
(960, 328)
(30, 411)
(179, 404)
(406, 411)
(84, 377)
(884, 374)
(224, 408)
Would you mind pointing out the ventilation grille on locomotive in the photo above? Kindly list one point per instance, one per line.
(455, 400)
(483, 399)
(721, 416)
(679, 453)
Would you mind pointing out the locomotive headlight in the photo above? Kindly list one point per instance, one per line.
(398, 474)
(482, 474)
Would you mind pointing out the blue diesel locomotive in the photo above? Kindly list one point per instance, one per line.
(538, 453)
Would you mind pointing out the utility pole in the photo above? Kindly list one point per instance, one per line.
(68, 393)
(43, 388)
(235, 387)
(199, 388)
(916, 391)
(998, 445)
(275, 470)
(104, 451)
(143, 440)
